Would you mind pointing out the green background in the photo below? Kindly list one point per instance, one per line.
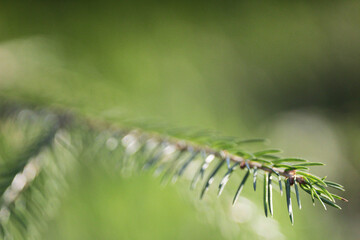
(288, 71)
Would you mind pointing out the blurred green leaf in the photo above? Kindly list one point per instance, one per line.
(288, 160)
(211, 178)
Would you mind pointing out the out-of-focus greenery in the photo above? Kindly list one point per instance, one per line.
(284, 70)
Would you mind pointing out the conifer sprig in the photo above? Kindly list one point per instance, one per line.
(294, 171)
(169, 153)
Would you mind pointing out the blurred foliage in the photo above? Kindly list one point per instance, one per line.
(284, 70)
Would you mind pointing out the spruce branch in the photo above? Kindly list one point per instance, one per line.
(170, 152)
(27, 194)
